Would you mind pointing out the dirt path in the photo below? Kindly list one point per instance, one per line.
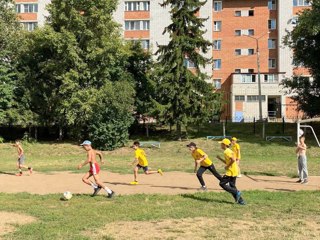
(170, 183)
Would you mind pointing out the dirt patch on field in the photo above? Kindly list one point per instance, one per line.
(209, 228)
(8, 221)
(169, 183)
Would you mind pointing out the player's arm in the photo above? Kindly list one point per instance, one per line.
(195, 166)
(204, 157)
(221, 159)
(233, 159)
(20, 149)
(100, 155)
(89, 158)
(239, 153)
(302, 147)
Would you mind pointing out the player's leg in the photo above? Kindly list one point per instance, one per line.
(135, 174)
(147, 171)
(225, 184)
(237, 197)
(213, 170)
(300, 169)
(238, 165)
(86, 180)
(304, 170)
(200, 172)
(109, 192)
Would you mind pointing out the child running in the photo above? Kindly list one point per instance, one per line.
(21, 158)
(228, 181)
(236, 149)
(301, 151)
(140, 160)
(94, 170)
(202, 159)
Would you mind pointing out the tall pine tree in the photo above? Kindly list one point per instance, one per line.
(184, 97)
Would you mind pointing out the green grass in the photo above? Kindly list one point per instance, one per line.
(70, 219)
(258, 157)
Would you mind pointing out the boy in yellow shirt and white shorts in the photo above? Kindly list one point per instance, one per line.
(140, 159)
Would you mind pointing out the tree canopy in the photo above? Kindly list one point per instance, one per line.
(304, 40)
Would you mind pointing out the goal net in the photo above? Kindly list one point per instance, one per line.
(303, 124)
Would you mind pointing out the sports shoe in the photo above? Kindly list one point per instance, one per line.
(203, 188)
(134, 183)
(299, 181)
(238, 195)
(304, 181)
(96, 191)
(242, 202)
(112, 194)
(160, 172)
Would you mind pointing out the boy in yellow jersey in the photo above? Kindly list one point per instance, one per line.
(141, 161)
(202, 159)
(236, 149)
(228, 181)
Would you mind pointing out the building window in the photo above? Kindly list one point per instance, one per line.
(301, 3)
(250, 32)
(271, 43)
(217, 26)
(237, 52)
(272, 24)
(137, 6)
(237, 13)
(217, 83)
(145, 43)
(270, 78)
(237, 70)
(251, 13)
(250, 70)
(248, 78)
(216, 64)
(239, 98)
(272, 63)
(30, 8)
(137, 25)
(18, 8)
(250, 51)
(216, 44)
(255, 98)
(272, 5)
(217, 6)
(237, 32)
(188, 63)
(29, 26)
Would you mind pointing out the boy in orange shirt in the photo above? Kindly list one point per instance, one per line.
(202, 159)
(140, 159)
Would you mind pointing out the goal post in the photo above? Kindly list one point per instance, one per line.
(303, 124)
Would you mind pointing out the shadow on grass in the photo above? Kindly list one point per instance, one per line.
(204, 199)
(267, 180)
(174, 187)
(282, 189)
(7, 173)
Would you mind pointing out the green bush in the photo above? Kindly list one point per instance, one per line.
(1, 139)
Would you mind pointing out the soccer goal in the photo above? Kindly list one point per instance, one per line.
(303, 124)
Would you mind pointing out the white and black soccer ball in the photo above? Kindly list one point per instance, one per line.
(67, 195)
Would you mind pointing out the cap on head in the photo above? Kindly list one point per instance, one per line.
(226, 142)
(86, 142)
(234, 139)
(192, 144)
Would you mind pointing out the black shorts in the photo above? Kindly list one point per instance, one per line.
(145, 168)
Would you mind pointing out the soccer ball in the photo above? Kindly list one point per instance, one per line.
(67, 195)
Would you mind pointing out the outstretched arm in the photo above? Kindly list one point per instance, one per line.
(221, 159)
(85, 162)
(100, 155)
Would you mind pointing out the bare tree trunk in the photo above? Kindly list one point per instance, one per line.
(179, 131)
(60, 133)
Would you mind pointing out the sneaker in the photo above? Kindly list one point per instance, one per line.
(134, 183)
(160, 172)
(203, 188)
(299, 181)
(304, 181)
(238, 195)
(112, 194)
(96, 191)
(242, 202)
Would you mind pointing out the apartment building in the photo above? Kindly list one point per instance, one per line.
(244, 33)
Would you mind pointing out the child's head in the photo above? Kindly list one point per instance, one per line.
(302, 138)
(192, 146)
(17, 141)
(136, 145)
(225, 143)
(86, 145)
(234, 140)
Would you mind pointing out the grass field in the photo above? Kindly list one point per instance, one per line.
(212, 215)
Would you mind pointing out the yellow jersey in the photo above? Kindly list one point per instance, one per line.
(197, 154)
(232, 171)
(141, 156)
(236, 150)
